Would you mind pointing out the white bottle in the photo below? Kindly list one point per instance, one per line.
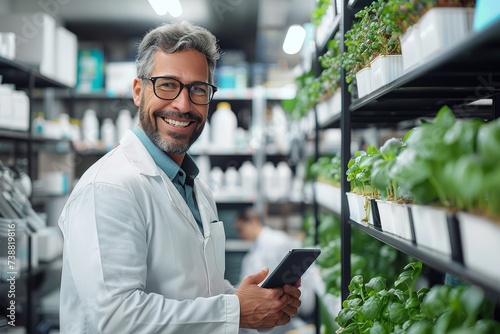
(248, 177)
(223, 127)
(90, 128)
(270, 182)
(284, 174)
(232, 178)
(108, 134)
(124, 122)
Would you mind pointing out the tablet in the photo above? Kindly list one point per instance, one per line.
(292, 267)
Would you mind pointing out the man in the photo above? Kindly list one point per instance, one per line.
(143, 246)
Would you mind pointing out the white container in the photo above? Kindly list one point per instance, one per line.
(108, 134)
(119, 78)
(90, 128)
(8, 45)
(270, 182)
(124, 122)
(386, 216)
(284, 174)
(35, 39)
(411, 47)
(66, 53)
(480, 244)
(385, 69)
(402, 222)
(249, 179)
(328, 196)
(364, 82)
(223, 127)
(216, 177)
(5, 106)
(442, 28)
(232, 184)
(431, 228)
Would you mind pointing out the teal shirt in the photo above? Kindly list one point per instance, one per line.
(182, 177)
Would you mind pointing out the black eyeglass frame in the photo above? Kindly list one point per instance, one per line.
(182, 86)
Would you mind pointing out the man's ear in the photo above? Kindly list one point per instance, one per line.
(137, 91)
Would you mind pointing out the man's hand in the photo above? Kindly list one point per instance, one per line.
(266, 308)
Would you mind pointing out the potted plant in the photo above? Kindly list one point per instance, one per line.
(437, 24)
(329, 81)
(358, 174)
(392, 204)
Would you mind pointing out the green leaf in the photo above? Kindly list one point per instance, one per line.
(372, 307)
(376, 284)
(345, 316)
(397, 313)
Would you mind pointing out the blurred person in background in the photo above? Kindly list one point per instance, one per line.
(269, 246)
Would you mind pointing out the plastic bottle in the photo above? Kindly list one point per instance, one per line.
(38, 124)
(270, 181)
(90, 128)
(223, 127)
(248, 177)
(284, 175)
(124, 122)
(108, 133)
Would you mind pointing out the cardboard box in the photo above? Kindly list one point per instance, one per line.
(35, 39)
(66, 54)
(90, 70)
(119, 78)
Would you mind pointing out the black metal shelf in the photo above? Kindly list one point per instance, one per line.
(465, 73)
(435, 260)
(19, 74)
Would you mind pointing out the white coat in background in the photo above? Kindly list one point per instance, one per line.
(135, 260)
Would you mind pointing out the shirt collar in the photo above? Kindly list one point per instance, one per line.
(163, 161)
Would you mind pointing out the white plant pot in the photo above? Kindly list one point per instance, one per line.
(328, 196)
(402, 222)
(386, 216)
(385, 69)
(442, 28)
(411, 47)
(354, 212)
(480, 244)
(431, 228)
(364, 82)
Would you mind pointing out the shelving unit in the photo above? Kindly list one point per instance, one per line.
(456, 77)
(28, 78)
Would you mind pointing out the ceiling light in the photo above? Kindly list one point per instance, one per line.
(162, 7)
(294, 39)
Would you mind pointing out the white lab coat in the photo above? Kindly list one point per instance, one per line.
(135, 260)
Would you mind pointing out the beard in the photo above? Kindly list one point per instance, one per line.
(176, 143)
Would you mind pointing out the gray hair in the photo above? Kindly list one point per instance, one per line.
(172, 37)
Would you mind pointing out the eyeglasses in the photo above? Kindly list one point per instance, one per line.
(167, 88)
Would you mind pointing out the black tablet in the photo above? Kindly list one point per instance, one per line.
(292, 267)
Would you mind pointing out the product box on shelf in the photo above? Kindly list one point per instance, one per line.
(90, 70)
(35, 39)
(119, 78)
(66, 53)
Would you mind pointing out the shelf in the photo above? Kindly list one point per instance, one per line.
(16, 73)
(433, 259)
(461, 75)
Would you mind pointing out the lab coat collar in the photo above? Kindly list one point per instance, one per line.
(138, 155)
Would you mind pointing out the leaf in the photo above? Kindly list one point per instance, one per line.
(376, 284)
(344, 317)
(397, 313)
(372, 307)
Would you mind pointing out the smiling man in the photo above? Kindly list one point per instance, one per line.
(144, 251)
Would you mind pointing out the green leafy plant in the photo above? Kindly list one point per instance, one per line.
(452, 163)
(319, 11)
(359, 172)
(331, 64)
(327, 169)
(373, 307)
